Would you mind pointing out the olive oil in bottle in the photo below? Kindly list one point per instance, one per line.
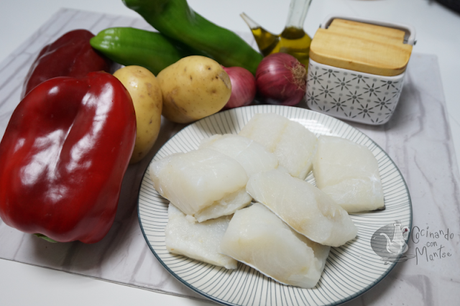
(293, 40)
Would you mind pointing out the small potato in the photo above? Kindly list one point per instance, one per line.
(145, 92)
(193, 88)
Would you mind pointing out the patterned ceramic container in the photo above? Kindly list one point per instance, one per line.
(350, 95)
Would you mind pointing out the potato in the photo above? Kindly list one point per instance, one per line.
(145, 92)
(193, 88)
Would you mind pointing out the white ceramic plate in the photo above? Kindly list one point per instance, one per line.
(350, 270)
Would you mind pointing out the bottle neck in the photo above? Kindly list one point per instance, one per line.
(297, 13)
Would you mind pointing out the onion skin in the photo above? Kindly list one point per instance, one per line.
(243, 87)
(281, 79)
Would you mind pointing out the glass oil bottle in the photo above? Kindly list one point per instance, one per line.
(292, 40)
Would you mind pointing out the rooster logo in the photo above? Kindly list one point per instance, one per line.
(389, 242)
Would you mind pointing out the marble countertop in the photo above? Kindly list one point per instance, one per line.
(422, 140)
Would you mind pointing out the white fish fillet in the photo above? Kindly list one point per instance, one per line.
(292, 143)
(258, 238)
(203, 183)
(251, 155)
(302, 206)
(348, 172)
(200, 241)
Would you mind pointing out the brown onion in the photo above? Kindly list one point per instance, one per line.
(243, 87)
(281, 79)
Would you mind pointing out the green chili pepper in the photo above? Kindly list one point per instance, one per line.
(130, 46)
(176, 20)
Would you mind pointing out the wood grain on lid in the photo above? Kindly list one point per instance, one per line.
(361, 47)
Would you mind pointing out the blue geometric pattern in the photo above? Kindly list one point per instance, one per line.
(351, 95)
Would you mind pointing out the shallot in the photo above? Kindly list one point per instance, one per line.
(243, 87)
(281, 79)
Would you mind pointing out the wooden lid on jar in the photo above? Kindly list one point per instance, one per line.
(362, 46)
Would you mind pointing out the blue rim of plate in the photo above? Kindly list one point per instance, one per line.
(215, 283)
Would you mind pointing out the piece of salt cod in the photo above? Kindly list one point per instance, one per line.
(200, 241)
(305, 208)
(258, 238)
(292, 143)
(348, 172)
(251, 155)
(202, 183)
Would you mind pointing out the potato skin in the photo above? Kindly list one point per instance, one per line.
(193, 88)
(145, 92)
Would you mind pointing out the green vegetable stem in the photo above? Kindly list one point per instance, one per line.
(176, 20)
(131, 46)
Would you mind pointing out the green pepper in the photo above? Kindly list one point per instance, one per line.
(176, 20)
(130, 46)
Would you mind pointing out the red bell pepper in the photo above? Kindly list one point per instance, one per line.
(63, 157)
(70, 55)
